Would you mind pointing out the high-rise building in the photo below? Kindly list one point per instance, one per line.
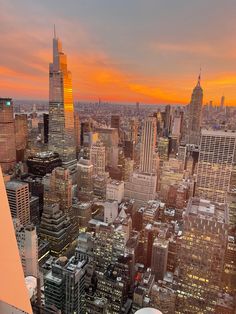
(110, 139)
(98, 158)
(215, 164)
(21, 132)
(58, 189)
(7, 135)
(201, 256)
(115, 190)
(27, 242)
(195, 114)
(77, 133)
(45, 127)
(141, 187)
(115, 122)
(18, 198)
(65, 285)
(40, 164)
(61, 108)
(159, 258)
(55, 227)
(85, 182)
(222, 102)
(148, 146)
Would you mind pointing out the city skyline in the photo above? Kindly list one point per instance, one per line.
(156, 61)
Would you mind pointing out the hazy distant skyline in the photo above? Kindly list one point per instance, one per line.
(136, 50)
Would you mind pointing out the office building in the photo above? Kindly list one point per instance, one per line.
(115, 190)
(19, 201)
(201, 256)
(45, 127)
(21, 133)
(77, 133)
(141, 187)
(115, 122)
(159, 258)
(7, 135)
(98, 158)
(40, 164)
(27, 241)
(110, 140)
(61, 109)
(148, 146)
(195, 115)
(215, 164)
(85, 181)
(58, 189)
(64, 285)
(55, 228)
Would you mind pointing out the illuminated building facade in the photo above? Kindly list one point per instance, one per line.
(215, 164)
(61, 108)
(7, 135)
(201, 256)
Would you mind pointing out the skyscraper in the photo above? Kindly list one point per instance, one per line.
(61, 108)
(215, 164)
(7, 135)
(65, 285)
(18, 198)
(58, 189)
(98, 158)
(148, 146)
(195, 114)
(27, 241)
(201, 256)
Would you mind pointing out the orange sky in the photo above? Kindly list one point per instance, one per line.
(135, 55)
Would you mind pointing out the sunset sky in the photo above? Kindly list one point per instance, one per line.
(121, 50)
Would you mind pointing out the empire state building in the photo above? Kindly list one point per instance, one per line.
(61, 108)
(195, 114)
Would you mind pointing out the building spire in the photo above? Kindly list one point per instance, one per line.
(54, 31)
(199, 77)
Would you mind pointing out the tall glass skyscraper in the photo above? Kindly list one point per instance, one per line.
(61, 109)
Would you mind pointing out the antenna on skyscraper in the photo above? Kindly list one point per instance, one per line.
(54, 31)
(199, 76)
